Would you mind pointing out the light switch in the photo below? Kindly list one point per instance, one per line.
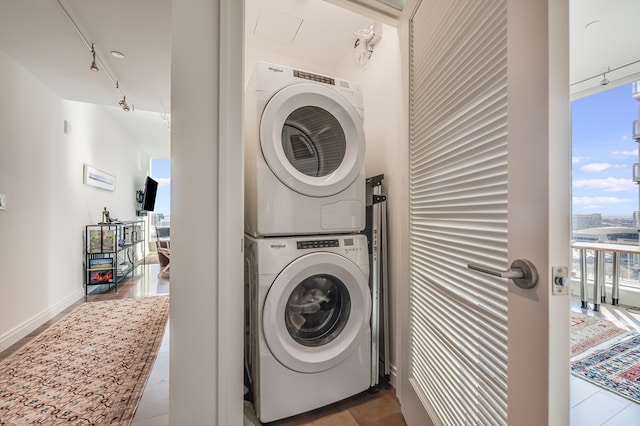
(3, 201)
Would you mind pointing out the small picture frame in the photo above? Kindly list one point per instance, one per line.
(98, 178)
(101, 270)
(95, 241)
(104, 276)
(101, 241)
(108, 240)
(101, 263)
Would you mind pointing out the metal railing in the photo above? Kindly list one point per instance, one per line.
(601, 261)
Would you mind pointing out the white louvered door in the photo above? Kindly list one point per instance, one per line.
(480, 163)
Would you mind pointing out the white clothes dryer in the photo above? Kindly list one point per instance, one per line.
(304, 154)
(309, 338)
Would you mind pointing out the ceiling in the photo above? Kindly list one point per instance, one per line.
(46, 37)
(39, 35)
(603, 34)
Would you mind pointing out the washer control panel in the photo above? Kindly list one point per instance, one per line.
(352, 245)
(316, 244)
(346, 244)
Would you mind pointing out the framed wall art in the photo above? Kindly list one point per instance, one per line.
(98, 178)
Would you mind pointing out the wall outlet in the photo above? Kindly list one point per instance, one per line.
(3, 201)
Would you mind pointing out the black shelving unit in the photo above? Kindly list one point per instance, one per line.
(112, 252)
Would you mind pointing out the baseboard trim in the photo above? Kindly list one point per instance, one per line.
(393, 373)
(22, 330)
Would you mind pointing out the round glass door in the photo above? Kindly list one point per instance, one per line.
(312, 139)
(316, 312)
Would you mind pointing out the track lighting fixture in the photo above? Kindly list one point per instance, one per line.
(604, 81)
(123, 104)
(96, 60)
(93, 66)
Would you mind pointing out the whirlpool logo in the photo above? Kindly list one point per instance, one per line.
(276, 69)
(278, 246)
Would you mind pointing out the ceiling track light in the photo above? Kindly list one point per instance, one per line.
(604, 81)
(123, 104)
(93, 66)
(609, 70)
(96, 60)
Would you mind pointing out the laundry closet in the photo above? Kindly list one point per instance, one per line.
(296, 232)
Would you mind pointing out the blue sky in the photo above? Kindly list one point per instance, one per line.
(161, 171)
(604, 153)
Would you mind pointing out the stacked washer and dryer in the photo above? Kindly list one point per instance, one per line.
(308, 303)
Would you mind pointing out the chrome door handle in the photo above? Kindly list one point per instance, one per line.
(523, 272)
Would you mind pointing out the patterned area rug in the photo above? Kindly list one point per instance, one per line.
(588, 332)
(89, 368)
(616, 368)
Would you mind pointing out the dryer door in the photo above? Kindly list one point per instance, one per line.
(316, 312)
(312, 139)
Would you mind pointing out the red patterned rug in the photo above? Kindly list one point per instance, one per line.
(89, 368)
(588, 332)
(616, 368)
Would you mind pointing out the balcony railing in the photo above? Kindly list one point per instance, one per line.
(603, 263)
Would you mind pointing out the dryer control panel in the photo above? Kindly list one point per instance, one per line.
(314, 77)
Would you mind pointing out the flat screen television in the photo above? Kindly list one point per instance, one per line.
(149, 195)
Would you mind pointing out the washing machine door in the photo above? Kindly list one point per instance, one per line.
(312, 139)
(316, 312)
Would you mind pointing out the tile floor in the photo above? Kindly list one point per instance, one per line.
(595, 406)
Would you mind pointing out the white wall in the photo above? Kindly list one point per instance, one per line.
(41, 172)
(387, 152)
(194, 213)
(206, 368)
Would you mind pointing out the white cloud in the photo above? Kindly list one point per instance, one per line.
(595, 167)
(624, 154)
(599, 167)
(598, 202)
(575, 160)
(609, 184)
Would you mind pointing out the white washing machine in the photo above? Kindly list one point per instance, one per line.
(309, 339)
(304, 154)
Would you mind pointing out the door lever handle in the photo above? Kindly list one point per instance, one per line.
(522, 272)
